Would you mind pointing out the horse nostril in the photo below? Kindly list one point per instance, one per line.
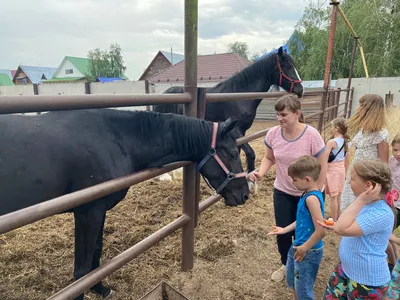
(245, 197)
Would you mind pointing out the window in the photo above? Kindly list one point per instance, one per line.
(69, 71)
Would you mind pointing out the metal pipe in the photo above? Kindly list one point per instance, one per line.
(337, 101)
(226, 97)
(201, 112)
(346, 21)
(330, 108)
(60, 204)
(19, 104)
(189, 172)
(330, 45)
(209, 202)
(90, 279)
(350, 102)
(328, 63)
(317, 113)
(251, 137)
(353, 57)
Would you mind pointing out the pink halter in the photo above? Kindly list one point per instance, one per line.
(213, 153)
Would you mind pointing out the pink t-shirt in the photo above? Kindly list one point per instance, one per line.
(395, 168)
(285, 152)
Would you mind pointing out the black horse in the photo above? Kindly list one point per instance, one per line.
(275, 69)
(43, 157)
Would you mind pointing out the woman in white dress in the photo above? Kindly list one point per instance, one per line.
(370, 142)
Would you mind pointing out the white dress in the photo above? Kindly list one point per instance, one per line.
(366, 146)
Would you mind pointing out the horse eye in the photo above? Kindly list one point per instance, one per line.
(234, 155)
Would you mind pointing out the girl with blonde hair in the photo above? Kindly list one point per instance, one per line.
(338, 162)
(371, 140)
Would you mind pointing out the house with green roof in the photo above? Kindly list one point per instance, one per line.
(71, 69)
(5, 80)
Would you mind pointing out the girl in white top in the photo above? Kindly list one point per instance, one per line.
(337, 168)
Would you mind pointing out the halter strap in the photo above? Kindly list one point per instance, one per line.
(282, 74)
(213, 153)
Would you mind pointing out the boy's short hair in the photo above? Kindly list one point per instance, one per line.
(305, 166)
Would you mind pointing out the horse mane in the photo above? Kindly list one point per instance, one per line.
(250, 74)
(190, 135)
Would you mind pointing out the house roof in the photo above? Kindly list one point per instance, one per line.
(81, 63)
(174, 58)
(6, 71)
(13, 73)
(108, 79)
(210, 68)
(36, 73)
(5, 80)
(63, 79)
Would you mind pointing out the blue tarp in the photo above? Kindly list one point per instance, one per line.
(108, 79)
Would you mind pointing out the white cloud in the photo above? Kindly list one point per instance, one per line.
(42, 32)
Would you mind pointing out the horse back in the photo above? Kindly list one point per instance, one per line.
(46, 156)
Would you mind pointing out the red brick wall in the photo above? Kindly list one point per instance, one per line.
(159, 64)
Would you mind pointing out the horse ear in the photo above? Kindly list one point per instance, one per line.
(280, 51)
(228, 125)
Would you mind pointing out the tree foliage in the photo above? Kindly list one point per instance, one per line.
(106, 63)
(240, 48)
(377, 23)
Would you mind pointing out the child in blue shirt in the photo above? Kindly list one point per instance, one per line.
(306, 252)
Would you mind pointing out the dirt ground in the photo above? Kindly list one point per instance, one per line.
(234, 257)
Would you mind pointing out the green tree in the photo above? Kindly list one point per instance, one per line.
(106, 63)
(376, 23)
(256, 55)
(240, 48)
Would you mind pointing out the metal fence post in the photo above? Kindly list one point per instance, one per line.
(190, 109)
(337, 102)
(350, 102)
(353, 57)
(201, 112)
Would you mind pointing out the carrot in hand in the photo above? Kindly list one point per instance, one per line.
(329, 222)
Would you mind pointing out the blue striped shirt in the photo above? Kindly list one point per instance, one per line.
(364, 257)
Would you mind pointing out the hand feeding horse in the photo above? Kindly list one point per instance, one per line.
(43, 157)
(275, 69)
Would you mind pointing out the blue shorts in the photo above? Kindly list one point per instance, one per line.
(301, 275)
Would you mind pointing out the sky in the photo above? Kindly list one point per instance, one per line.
(42, 32)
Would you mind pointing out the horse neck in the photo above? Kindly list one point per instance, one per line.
(190, 137)
(257, 77)
(174, 138)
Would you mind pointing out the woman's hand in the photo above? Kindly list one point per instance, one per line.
(254, 176)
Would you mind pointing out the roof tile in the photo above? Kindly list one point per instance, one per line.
(210, 68)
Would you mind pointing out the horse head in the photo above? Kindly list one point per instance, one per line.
(222, 167)
(287, 76)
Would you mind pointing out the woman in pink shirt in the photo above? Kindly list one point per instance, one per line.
(285, 143)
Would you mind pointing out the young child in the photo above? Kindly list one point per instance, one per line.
(337, 168)
(366, 225)
(394, 163)
(394, 285)
(306, 252)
